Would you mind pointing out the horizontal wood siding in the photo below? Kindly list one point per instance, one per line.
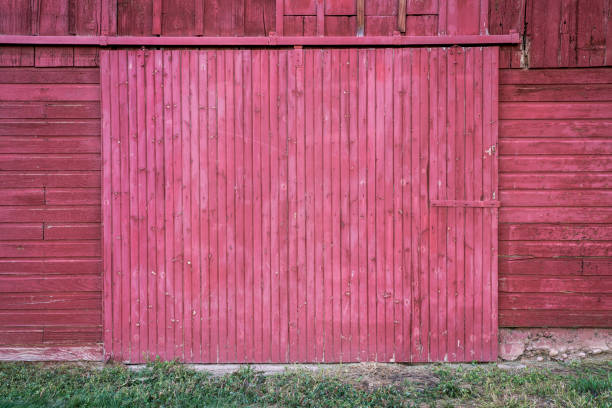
(556, 193)
(50, 250)
(273, 205)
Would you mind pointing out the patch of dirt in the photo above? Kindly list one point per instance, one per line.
(375, 375)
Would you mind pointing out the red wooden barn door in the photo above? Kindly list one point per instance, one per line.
(300, 205)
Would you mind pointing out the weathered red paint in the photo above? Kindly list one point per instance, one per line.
(50, 258)
(554, 128)
(555, 236)
(297, 223)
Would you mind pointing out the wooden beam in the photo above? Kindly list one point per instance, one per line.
(360, 18)
(272, 41)
(401, 16)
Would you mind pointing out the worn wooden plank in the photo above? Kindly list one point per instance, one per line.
(35, 284)
(21, 231)
(565, 77)
(55, 353)
(568, 163)
(24, 75)
(556, 198)
(554, 266)
(546, 249)
(584, 284)
(587, 92)
(555, 128)
(555, 232)
(555, 110)
(558, 146)
(539, 318)
(555, 301)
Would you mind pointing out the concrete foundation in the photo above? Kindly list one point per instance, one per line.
(554, 344)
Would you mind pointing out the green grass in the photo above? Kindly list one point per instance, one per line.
(173, 385)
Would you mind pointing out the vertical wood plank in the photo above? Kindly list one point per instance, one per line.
(157, 17)
(280, 16)
(169, 205)
(423, 207)
(495, 211)
(213, 253)
(387, 190)
(380, 205)
(407, 270)
(222, 220)
(398, 244)
(450, 154)
(142, 299)
(362, 210)
(487, 193)
(360, 18)
(132, 285)
(318, 199)
(179, 249)
(442, 212)
(433, 270)
(248, 200)
(230, 212)
(354, 204)
(416, 346)
(345, 253)
(241, 317)
(401, 16)
(292, 205)
(275, 189)
(257, 213)
(327, 206)
(478, 177)
(336, 274)
(195, 314)
(460, 195)
(283, 215)
(160, 227)
(309, 217)
(469, 243)
(107, 216)
(300, 208)
(371, 204)
(204, 109)
(265, 205)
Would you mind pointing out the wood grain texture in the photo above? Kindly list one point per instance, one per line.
(297, 226)
(50, 247)
(555, 239)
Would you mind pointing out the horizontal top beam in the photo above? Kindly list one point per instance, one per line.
(271, 41)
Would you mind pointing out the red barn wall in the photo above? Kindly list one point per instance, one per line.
(556, 33)
(571, 252)
(555, 180)
(50, 257)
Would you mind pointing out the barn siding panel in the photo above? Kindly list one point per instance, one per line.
(567, 33)
(50, 251)
(555, 241)
(290, 195)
